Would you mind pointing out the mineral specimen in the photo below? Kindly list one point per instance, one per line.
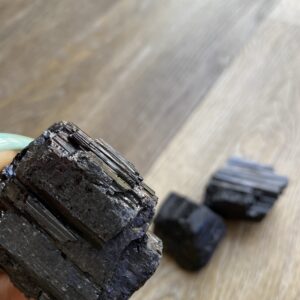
(190, 232)
(244, 189)
(74, 220)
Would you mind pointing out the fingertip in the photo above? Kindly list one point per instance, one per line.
(6, 157)
(8, 291)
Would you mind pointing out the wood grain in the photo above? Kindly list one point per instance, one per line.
(136, 72)
(252, 111)
(130, 71)
(287, 11)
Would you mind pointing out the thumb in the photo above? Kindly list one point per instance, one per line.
(8, 291)
(6, 157)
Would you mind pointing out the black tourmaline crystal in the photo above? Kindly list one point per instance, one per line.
(190, 232)
(74, 220)
(244, 189)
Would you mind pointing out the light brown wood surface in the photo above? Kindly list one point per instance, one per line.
(130, 71)
(252, 111)
(177, 86)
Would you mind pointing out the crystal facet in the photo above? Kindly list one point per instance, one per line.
(75, 216)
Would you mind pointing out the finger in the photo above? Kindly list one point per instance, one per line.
(8, 291)
(5, 158)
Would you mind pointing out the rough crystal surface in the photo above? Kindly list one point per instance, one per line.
(190, 232)
(244, 189)
(74, 220)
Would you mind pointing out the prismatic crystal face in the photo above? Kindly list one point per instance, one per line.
(244, 189)
(75, 216)
(190, 232)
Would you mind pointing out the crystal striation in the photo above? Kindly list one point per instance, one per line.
(244, 189)
(190, 232)
(74, 220)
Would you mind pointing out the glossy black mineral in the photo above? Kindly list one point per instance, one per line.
(190, 232)
(74, 220)
(244, 189)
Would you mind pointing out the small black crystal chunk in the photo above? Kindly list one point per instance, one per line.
(190, 232)
(74, 219)
(244, 189)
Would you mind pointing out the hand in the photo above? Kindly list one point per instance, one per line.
(7, 290)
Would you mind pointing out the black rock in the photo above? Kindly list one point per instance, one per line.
(244, 189)
(190, 232)
(74, 220)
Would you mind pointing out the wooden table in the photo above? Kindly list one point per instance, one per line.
(177, 86)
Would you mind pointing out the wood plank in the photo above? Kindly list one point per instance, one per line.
(129, 71)
(253, 111)
(287, 11)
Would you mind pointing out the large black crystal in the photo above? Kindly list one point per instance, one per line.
(244, 189)
(74, 220)
(190, 232)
